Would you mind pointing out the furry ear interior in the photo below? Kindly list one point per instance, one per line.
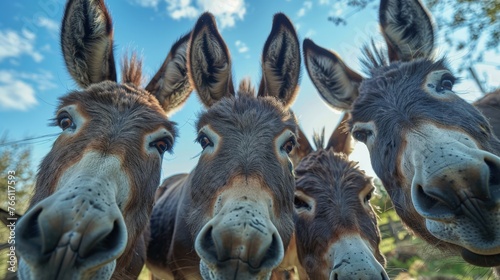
(407, 29)
(209, 62)
(340, 140)
(281, 62)
(336, 83)
(170, 85)
(87, 42)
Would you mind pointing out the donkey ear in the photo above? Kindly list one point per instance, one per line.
(340, 141)
(407, 29)
(281, 62)
(303, 148)
(170, 84)
(336, 83)
(209, 62)
(87, 42)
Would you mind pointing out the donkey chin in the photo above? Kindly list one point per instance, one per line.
(479, 242)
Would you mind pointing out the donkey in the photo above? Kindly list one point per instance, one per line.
(232, 216)
(489, 105)
(336, 233)
(95, 189)
(435, 153)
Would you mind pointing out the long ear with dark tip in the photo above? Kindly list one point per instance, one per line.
(340, 141)
(209, 62)
(281, 62)
(87, 42)
(336, 83)
(171, 84)
(407, 29)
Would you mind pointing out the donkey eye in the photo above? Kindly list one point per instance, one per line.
(361, 135)
(301, 204)
(162, 145)
(447, 82)
(289, 145)
(64, 121)
(204, 141)
(368, 197)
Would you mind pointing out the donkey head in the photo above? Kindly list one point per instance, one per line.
(241, 190)
(434, 152)
(336, 227)
(95, 188)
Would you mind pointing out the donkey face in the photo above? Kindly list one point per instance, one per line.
(434, 152)
(336, 227)
(95, 188)
(242, 188)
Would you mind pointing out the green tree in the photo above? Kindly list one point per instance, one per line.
(16, 159)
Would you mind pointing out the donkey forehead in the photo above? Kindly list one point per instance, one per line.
(326, 172)
(247, 114)
(112, 103)
(396, 94)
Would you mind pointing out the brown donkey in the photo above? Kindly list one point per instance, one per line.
(95, 189)
(489, 105)
(435, 153)
(336, 233)
(232, 216)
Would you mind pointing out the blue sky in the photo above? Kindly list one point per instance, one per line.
(33, 74)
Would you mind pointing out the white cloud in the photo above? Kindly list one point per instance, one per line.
(242, 47)
(147, 3)
(310, 33)
(306, 6)
(324, 2)
(225, 11)
(14, 44)
(14, 93)
(181, 9)
(337, 9)
(49, 24)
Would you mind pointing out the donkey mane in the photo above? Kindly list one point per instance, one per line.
(373, 57)
(246, 88)
(319, 139)
(132, 69)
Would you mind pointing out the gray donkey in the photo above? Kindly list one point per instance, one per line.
(435, 153)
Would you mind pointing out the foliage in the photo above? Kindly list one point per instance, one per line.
(16, 158)
(13, 158)
(409, 257)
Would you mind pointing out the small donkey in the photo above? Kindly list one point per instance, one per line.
(336, 233)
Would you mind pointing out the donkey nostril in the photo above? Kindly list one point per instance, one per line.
(434, 202)
(206, 247)
(426, 201)
(30, 232)
(494, 179)
(274, 253)
(104, 242)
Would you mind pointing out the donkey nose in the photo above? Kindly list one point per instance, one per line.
(259, 246)
(446, 192)
(50, 233)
